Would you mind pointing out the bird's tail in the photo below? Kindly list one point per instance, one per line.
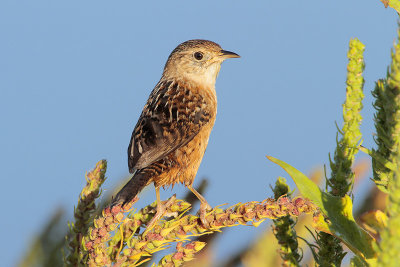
(132, 188)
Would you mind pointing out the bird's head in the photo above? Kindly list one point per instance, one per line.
(197, 61)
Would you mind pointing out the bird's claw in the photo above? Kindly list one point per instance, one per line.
(161, 209)
(204, 207)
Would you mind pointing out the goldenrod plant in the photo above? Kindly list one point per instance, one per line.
(388, 116)
(284, 230)
(330, 252)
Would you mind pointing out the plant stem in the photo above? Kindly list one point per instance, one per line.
(342, 177)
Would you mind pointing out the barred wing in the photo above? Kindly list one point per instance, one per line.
(172, 117)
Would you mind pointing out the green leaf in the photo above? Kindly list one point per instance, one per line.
(338, 211)
(382, 160)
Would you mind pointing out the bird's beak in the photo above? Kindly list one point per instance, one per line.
(227, 54)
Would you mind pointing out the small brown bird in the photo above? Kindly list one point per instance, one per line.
(171, 135)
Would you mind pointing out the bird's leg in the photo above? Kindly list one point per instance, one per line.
(161, 208)
(159, 213)
(204, 206)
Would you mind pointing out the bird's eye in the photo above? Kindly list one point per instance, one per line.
(198, 55)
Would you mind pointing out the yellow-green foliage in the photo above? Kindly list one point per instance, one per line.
(390, 245)
(284, 229)
(387, 122)
(342, 176)
(330, 252)
(395, 4)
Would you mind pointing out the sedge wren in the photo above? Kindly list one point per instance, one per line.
(171, 135)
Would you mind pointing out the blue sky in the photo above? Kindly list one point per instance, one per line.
(74, 77)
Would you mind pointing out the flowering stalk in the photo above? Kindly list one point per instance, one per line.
(96, 252)
(342, 177)
(83, 211)
(284, 229)
(390, 97)
(129, 248)
(387, 123)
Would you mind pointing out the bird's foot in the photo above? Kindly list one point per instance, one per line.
(161, 209)
(204, 208)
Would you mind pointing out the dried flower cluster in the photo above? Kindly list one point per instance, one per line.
(128, 247)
